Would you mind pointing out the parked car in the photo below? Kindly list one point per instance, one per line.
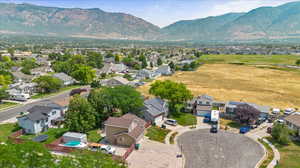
(77, 91)
(171, 122)
(245, 129)
(276, 111)
(214, 128)
(289, 111)
(206, 120)
(108, 149)
(281, 121)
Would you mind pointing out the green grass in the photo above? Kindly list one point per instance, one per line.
(5, 105)
(53, 133)
(172, 137)
(157, 134)
(44, 95)
(250, 59)
(289, 154)
(184, 119)
(270, 155)
(230, 123)
(94, 136)
(6, 130)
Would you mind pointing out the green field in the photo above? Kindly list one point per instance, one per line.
(250, 59)
(94, 136)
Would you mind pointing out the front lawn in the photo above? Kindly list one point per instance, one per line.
(184, 119)
(44, 95)
(94, 136)
(289, 154)
(6, 130)
(230, 123)
(157, 134)
(5, 105)
(53, 134)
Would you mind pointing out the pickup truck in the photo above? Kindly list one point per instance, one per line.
(108, 149)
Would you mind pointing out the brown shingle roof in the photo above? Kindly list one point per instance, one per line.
(294, 119)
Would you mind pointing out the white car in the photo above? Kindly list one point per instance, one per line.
(276, 111)
(108, 149)
(171, 122)
(289, 111)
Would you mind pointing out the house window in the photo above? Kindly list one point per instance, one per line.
(38, 121)
(54, 112)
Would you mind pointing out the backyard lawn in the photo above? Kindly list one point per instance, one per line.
(6, 130)
(53, 134)
(230, 123)
(184, 119)
(94, 136)
(157, 134)
(289, 154)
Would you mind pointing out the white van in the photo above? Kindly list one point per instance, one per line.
(20, 97)
(215, 115)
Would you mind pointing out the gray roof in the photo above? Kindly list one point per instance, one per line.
(164, 69)
(38, 113)
(263, 109)
(64, 77)
(155, 106)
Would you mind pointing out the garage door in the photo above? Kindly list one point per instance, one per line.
(158, 119)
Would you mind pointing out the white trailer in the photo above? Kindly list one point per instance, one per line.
(215, 116)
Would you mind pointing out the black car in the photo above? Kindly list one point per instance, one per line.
(214, 129)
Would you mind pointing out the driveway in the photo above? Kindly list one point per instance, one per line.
(222, 150)
(155, 155)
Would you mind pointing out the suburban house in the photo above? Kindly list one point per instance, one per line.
(40, 118)
(293, 122)
(66, 79)
(146, 74)
(231, 106)
(22, 87)
(110, 68)
(115, 81)
(125, 130)
(20, 76)
(201, 105)
(164, 70)
(155, 110)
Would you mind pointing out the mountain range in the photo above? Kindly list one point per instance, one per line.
(268, 23)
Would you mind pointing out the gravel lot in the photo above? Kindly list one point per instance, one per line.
(222, 150)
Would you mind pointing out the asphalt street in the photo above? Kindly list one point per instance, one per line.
(203, 149)
(11, 113)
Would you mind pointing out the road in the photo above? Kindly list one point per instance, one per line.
(11, 113)
(222, 150)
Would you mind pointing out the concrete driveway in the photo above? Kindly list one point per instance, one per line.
(203, 149)
(155, 155)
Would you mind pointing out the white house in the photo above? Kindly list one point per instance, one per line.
(40, 118)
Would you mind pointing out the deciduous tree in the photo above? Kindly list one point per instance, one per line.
(48, 84)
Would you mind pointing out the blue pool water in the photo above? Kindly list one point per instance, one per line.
(72, 143)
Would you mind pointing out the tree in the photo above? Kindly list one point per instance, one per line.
(172, 65)
(280, 133)
(128, 61)
(95, 59)
(117, 58)
(175, 93)
(159, 62)
(246, 113)
(298, 62)
(84, 74)
(29, 63)
(48, 84)
(80, 116)
(128, 77)
(5, 80)
(3, 93)
(115, 101)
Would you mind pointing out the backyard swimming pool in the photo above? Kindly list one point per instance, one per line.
(72, 143)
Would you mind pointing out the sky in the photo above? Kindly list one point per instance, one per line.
(162, 12)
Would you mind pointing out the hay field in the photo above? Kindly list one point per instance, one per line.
(241, 83)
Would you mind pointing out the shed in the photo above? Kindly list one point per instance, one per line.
(73, 136)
